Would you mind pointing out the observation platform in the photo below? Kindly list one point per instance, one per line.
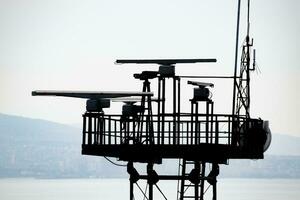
(192, 137)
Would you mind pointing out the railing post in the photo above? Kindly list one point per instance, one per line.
(133, 131)
(212, 119)
(89, 130)
(109, 130)
(158, 113)
(115, 131)
(187, 132)
(207, 123)
(174, 113)
(84, 129)
(95, 129)
(102, 129)
(162, 114)
(217, 131)
(121, 132)
(192, 121)
(178, 108)
(230, 130)
(197, 126)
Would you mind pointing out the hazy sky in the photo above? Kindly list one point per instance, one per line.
(73, 45)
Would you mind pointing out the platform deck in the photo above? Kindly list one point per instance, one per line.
(192, 137)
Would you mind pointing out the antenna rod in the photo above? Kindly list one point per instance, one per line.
(236, 56)
(248, 18)
(248, 58)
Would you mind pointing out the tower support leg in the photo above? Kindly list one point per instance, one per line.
(196, 179)
(213, 179)
(134, 177)
(131, 197)
(214, 191)
(152, 179)
(202, 181)
(150, 191)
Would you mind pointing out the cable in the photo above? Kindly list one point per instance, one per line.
(145, 196)
(178, 182)
(206, 189)
(144, 193)
(161, 192)
(120, 165)
(258, 69)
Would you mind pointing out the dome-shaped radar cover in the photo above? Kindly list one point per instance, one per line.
(268, 135)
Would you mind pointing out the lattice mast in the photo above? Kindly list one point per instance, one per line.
(241, 91)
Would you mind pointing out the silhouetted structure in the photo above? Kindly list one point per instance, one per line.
(145, 132)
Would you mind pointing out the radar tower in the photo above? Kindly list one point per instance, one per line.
(145, 131)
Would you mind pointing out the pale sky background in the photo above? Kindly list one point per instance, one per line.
(72, 45)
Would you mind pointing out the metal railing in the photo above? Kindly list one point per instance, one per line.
(170, 129)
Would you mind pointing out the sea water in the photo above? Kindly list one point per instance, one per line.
(113, 189)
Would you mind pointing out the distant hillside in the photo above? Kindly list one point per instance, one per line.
(284, 145)
(20, 129)
(39, 148)
(43, 149)
(271, 166)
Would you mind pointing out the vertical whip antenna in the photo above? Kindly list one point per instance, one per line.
(236, 56)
